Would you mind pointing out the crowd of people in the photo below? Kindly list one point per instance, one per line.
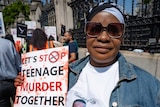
(10, 60)
(101, 79)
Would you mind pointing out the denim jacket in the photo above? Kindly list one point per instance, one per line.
(136, 87)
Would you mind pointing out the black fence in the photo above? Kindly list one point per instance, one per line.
(142, 31)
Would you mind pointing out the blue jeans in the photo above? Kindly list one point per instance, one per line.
(7, 91)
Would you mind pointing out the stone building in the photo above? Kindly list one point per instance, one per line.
(56, 13)
(35, 11)
(52, 13)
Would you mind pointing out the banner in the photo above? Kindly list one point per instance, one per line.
(46, 78)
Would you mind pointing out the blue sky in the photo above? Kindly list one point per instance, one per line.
(44, 0)
(128, 5)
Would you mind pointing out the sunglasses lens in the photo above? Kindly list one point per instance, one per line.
(115, 29)
(93, 29)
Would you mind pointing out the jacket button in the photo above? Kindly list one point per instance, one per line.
(114, 104)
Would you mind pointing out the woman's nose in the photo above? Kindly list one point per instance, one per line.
(104, 37)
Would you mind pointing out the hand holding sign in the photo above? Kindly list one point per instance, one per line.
(46, 78)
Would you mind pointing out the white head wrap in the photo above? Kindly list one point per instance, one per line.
(116, 13)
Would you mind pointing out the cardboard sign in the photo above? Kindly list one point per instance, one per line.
(31, 24)
(51, 31)
(46, 78)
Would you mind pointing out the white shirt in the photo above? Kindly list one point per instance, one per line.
(95, 85)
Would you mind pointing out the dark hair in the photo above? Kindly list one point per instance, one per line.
(39, 39)
(99, 8)
(51, 38)
(10, 37)
(70, 31)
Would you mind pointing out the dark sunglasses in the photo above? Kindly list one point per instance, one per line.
(114, 30)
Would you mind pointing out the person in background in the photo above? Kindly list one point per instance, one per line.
(73, 48)
(16, 44)
(56, 43)
(10, 65)
(39, 41)
(25, 46)
(10, 37)
(104, 78)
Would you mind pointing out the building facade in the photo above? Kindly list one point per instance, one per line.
(54, 13)
(36, 11)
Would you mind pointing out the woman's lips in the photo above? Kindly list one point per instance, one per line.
(101, 49)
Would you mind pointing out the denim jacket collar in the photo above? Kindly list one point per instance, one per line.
(139, 92)
(126, 72)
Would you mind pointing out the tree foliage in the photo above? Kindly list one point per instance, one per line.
(11, 12)
(146, 1)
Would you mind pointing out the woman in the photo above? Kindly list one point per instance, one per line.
(39, 41)
(104, 78)
(17, 44)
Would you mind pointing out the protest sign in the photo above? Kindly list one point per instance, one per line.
(46, 78)
(21, 30)
(51, 31)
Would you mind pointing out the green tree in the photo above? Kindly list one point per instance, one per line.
(146, 2)
(11, 12)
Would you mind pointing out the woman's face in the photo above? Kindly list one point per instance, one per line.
(103, 49)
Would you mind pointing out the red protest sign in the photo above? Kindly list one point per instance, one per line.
(46, 78)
